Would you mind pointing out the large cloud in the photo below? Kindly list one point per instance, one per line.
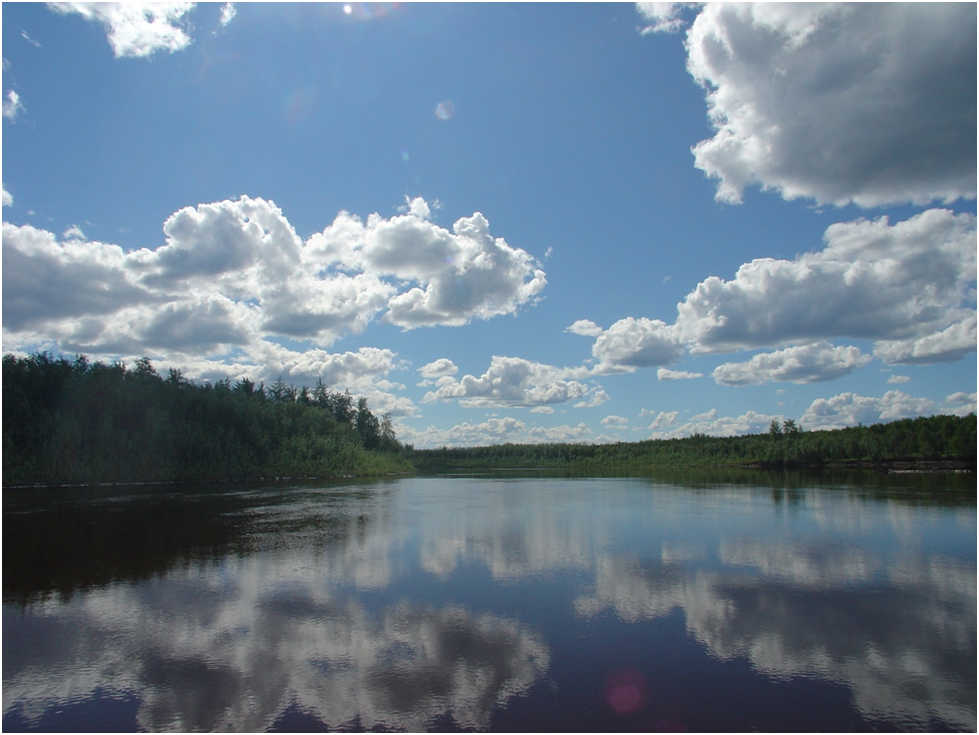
(867, 103)
(632, 343)
(802, 364)
(460, 275)
(234, 273)
(871, 280)
(45, 280)
(137, 29)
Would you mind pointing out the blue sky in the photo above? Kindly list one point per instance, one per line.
(560, 222)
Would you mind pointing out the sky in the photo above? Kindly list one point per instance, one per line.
(505, 222)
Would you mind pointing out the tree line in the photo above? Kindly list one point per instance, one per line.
(933, 438)
(79, 421)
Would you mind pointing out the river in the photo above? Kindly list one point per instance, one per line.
(494, 603)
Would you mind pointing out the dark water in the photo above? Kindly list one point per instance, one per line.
(528, 604)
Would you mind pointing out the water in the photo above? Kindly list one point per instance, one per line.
(529, 604)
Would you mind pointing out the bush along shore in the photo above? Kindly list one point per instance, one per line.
(74, 421)
(936, 443)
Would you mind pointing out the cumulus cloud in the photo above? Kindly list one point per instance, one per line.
(960, 404)
(8, 198)
(12, 106)
(801, 364)
(44, 280)
(710, 423)
(667, 374)
(438, 368)
(871, 280)
(615, 422)
(898, 379)
(137, 29)
(514, 381)
(460, 275)
(584, 327)
(632, 343)
(496, 430)
(951, 343)
(872, 104)
(244, 260)
(850, 409)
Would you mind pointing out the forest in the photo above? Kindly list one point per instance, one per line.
(941, 442)
(76, 421)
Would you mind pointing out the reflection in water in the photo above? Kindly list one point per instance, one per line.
(905, 649)
(449, 603)
(234, 654)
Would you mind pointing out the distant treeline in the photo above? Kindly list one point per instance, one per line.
(77, 421)
(912, 440)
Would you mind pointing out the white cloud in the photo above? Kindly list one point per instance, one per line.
(12, 106)
(542, 409)
(801, 364)
(514, 381)
(867, 103)
(631, 343)
(137, 29)
(898, 379)
(417, 207)
(244, 263)
(960, 404)
(871, 280)
(663, 17)
(73, 233)
(31, 41)
(497, 430)
(750, 422)
(597, 397)
(228, 13)
(8, 198)
(584, 327)
(661, 420)
(945, 345)
(438, 368)
(44, 280)
(615, 422)
(667, 374)
(461, 275)
(850, 409)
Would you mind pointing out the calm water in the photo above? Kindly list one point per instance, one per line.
(479, 603)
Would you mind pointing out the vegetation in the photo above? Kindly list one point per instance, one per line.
(75, 421)
(947, 439)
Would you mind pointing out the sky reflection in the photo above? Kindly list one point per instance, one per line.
(420, 602)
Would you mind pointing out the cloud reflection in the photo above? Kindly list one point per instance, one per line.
(237, 658)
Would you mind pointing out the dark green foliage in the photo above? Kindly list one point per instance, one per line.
(90, 422)
(783, 445)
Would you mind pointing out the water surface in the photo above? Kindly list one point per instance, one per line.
(528, 604)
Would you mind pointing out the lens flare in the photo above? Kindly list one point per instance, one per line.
(625, 691)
